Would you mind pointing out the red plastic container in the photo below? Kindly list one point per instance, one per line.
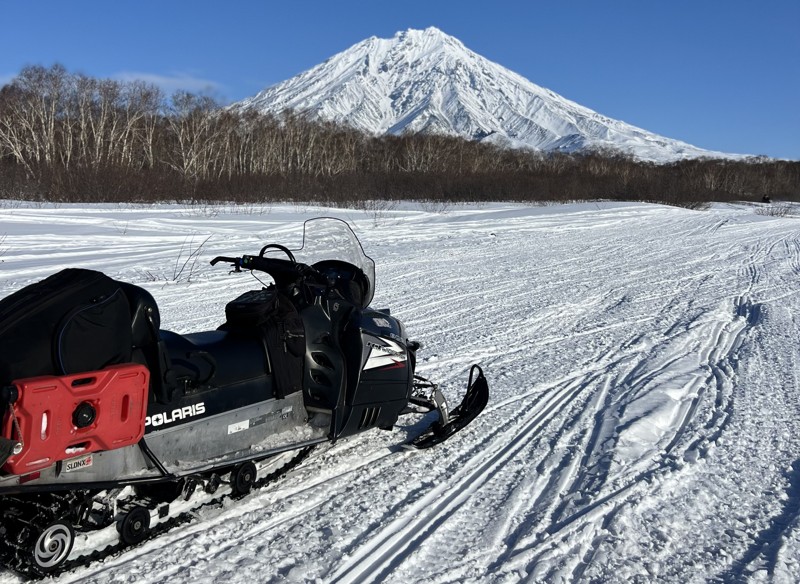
(111, 406)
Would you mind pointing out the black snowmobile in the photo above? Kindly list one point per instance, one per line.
(113, 428)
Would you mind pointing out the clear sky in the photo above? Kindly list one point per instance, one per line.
(719, 74)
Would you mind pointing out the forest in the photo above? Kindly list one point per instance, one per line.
(67, 137)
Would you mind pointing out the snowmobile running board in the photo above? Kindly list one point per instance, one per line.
(449, 422)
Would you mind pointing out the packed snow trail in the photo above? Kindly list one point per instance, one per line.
(644, 414)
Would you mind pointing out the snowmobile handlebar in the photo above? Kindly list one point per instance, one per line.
(279, 269)
(347, 279)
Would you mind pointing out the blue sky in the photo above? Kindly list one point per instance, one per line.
(719, 74)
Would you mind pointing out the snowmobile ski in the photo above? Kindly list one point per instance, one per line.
(450, 422)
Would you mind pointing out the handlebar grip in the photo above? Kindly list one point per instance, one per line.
(234, 261)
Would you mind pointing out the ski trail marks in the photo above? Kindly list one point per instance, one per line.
(695, 366)
(385, 550)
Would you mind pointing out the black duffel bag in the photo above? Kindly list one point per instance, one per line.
(74, 321)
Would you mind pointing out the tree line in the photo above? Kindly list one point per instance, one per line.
(70, 137)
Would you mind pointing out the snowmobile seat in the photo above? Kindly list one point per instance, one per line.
(219, 359)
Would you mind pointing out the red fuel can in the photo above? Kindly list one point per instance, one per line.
(61, 417)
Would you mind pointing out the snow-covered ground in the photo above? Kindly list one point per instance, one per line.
(644, 421)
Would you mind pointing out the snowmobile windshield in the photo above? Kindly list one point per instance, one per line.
(326, 241)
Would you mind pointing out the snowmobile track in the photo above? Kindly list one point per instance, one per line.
(120, 549)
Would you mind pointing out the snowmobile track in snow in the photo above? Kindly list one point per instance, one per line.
(384, 550)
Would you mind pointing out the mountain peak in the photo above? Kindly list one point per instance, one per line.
(428, 81)
(428, 32)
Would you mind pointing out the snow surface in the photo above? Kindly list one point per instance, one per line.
(428, 81)
(644, 420)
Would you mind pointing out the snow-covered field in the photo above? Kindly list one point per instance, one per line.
(644, 421)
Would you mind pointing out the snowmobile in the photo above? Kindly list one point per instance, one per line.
(112, 427)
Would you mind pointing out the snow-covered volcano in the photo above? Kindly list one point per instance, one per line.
(428, 81)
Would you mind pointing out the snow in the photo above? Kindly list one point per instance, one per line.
(644, 415)
(428, 81)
